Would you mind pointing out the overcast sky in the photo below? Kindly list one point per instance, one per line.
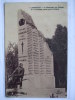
(45, 20)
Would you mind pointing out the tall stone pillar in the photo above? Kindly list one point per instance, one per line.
(36, 57)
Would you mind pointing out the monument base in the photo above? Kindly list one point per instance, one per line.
(38, 85)
(43, 93)
(39, 81)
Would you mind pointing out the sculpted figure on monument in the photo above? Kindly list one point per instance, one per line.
(20, 73)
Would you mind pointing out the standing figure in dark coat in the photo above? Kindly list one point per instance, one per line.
(16, 77)
(20, 73)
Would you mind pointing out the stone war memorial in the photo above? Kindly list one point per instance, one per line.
(36, 50)
(36, 57)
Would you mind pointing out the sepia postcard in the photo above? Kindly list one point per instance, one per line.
(36, 49)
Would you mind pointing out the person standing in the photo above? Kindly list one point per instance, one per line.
(21, 73)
